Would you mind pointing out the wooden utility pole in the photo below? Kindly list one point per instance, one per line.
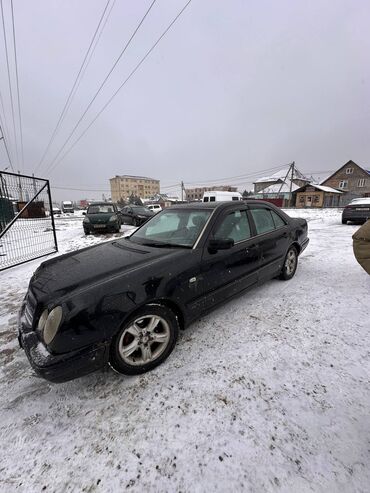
(291, 183)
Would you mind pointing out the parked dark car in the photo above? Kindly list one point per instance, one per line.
(357, 211)
(124, 301)
(136, 214)
(102, 216)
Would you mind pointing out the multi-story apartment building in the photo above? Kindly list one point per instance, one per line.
(123, 186)
(197, 193)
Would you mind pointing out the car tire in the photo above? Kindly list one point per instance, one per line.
(87, 232)
(290, 264)
(135, 350)
(344, 221)
(136, 222)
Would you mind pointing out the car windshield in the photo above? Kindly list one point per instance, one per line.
(172, 228)
(100, 209)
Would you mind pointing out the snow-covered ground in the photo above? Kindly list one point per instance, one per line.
(271, 392)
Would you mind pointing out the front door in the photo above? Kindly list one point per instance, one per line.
(227, 272)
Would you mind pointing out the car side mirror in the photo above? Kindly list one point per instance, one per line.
(221, 244)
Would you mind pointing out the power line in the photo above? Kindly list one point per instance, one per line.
(91, 55)
(6, 147)
(3, 123)
(82, 189)
(102, 84)
(238, 177)
(70, 187)
(120, 87)
(9, 82)
(16, 75)
(74, 88)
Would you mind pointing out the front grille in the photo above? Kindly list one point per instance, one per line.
(28, 315)
(30, 308)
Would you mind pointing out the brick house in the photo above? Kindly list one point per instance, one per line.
(352, 180)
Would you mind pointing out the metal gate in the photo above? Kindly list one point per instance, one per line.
(27, 228)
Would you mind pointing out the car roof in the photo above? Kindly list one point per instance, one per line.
(221, 204)
(101, 203)
(362, 200)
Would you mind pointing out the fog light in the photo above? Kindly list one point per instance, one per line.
(52, 324)
(42, 320)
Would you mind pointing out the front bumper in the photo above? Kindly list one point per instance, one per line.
(304, 244)
(60, 367)
(97, 228)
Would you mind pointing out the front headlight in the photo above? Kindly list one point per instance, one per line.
(52, 324)
(42, 320)
(112, 219)
(86, 220)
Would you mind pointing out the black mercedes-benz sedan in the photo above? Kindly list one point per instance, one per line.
(123, 302)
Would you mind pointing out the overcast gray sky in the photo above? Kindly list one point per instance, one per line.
(235, 87)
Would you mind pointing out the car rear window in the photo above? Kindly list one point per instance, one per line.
(279, 222)
(99, 209)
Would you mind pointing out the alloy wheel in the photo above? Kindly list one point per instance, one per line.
(290, 262)
(144, 340)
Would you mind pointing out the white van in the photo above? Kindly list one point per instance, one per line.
(220, 196)
(154, 207)
(67, 207)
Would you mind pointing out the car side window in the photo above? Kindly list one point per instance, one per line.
(279, 222)
(235, 226)
(263, 220)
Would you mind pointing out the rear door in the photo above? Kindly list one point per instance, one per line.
(227, 272)
(273, 236)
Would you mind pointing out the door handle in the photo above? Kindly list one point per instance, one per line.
(251, 249)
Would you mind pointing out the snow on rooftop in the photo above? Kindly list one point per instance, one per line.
(281, 175)
(326, 189)
(279, 188)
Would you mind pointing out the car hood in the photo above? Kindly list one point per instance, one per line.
(102, 218)
(89, 266)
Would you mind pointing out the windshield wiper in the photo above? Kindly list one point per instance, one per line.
(165, 245)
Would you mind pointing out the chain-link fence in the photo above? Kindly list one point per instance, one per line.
(27, 229)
